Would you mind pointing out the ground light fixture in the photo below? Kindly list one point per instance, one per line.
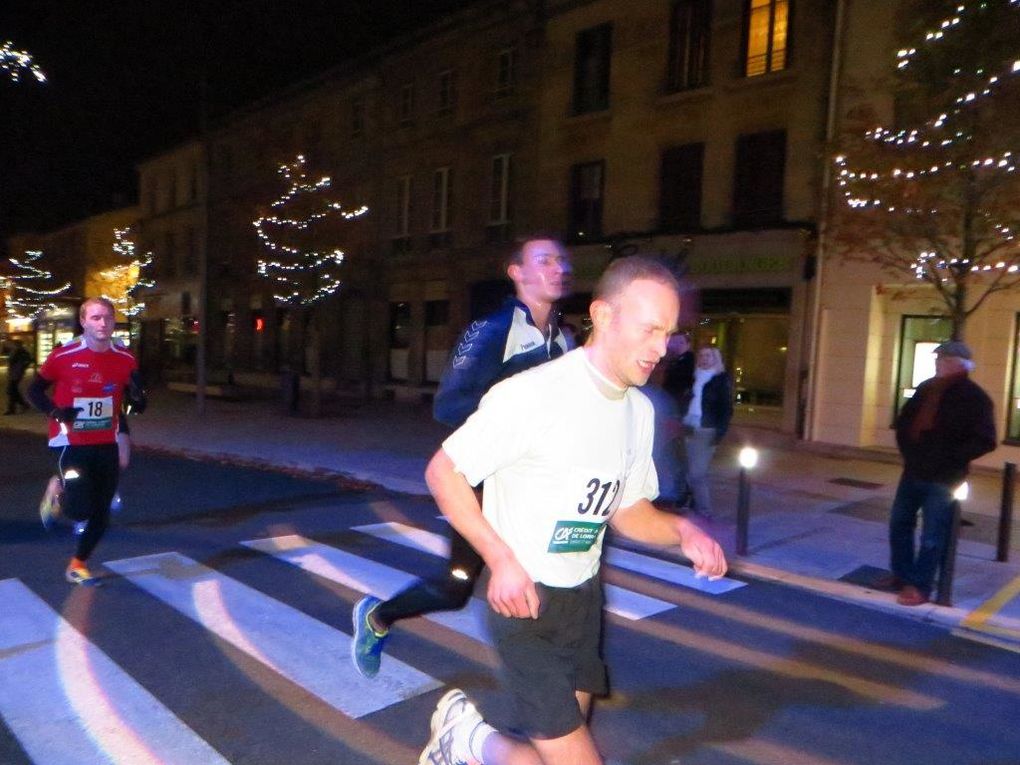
(747, 458)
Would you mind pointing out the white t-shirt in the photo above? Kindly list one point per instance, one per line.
(558, 457)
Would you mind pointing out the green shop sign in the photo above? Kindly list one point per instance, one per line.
(741, 264)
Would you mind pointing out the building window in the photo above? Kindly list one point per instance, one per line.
(447, 92)
(919, 337)
(1013, 421)
(586, 184)
(499, 189)
(171, 191)
(400, 340)
(402, 215)
(506, 71)
(758, 179)
(190, 255)
(680, 187)
(405, 110)
(357, 116)
(591, 69)
(766, 35)
(442, 198)
(689, 30)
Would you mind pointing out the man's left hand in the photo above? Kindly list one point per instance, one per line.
(704, 552)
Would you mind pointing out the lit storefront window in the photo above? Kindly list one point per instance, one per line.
(919, 337)
(1013, 418)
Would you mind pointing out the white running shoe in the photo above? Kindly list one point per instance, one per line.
(453, 722)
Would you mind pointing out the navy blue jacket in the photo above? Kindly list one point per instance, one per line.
(492, 349)
(963, 429)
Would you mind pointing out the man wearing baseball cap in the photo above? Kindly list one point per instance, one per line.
(946, 423)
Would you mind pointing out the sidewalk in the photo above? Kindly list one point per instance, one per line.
(818, 520)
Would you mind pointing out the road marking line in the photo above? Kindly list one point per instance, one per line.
(364, 575)
(978, 618)
(619, 600)
(68, 703)
(668, 571)
(286, 640)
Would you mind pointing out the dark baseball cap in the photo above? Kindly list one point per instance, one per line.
(954, 348)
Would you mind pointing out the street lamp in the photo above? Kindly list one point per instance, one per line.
(747, 459)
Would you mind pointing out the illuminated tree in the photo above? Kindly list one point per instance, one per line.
(124, 283)
(14, 63)
(29, 293)
(936, 196)
(300, 235)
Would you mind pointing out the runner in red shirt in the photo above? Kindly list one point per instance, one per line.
(91, 377)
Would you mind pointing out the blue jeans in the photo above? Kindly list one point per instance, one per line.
(935, 501)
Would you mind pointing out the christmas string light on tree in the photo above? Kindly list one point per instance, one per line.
(129, 278)
(28, 296)
(15, 62)
(936, 196)
(303, 272)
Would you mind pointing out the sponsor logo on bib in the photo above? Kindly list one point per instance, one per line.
(574, 536)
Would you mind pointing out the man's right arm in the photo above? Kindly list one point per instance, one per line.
(511, 591)
(38, 397)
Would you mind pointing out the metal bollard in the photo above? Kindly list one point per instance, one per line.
(948, 567)
(748, 458)
(1006, 512)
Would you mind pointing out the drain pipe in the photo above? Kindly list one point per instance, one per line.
(814, 340)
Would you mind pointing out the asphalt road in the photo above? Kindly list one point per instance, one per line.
(220, 635)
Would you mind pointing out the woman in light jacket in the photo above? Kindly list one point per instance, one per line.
(705, 423)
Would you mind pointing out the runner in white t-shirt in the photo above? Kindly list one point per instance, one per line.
(563, 450)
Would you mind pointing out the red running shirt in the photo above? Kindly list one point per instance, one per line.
(93, 381)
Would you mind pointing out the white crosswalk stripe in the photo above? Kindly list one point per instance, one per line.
(67, 703)
(284, 639)
(366, 576)
(618, 599)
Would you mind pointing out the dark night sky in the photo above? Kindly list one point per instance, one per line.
(124, 81)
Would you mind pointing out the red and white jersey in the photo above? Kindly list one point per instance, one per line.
(94, 381)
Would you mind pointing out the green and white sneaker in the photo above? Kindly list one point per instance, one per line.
(367, 644)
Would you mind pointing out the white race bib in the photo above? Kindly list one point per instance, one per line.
(95, 414)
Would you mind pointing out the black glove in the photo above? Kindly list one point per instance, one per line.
(136, 400)
(66, 414)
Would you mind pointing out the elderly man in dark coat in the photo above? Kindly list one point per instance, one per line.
(946, 423)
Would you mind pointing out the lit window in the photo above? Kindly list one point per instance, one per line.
(765, 29)
(919, 337)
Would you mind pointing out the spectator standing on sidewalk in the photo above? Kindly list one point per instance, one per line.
(582, 459)
(706, 420)
(677, 379)
(522, 334)
(946, 423)
(18, 362)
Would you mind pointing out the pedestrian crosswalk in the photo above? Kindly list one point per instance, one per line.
(65, 700)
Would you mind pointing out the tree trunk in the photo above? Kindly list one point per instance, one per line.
(315, 344)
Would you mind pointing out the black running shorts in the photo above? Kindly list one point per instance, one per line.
(545, 660)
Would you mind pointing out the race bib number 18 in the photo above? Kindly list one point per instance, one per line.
(95, 414)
